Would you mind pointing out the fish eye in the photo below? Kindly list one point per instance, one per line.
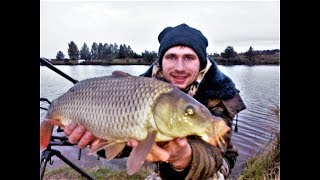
(190, 110)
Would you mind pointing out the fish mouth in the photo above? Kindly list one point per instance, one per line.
(220, 128)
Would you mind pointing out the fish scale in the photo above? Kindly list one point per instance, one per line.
(134, 113)
(121, 107)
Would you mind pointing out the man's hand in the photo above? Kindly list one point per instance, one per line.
(78, 134)
(177, 152)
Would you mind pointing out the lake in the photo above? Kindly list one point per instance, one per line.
(259, 88)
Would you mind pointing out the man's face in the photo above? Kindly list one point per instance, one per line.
(181, 66)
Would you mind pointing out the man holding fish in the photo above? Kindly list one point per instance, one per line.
(183, 62)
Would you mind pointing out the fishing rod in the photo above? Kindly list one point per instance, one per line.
(47, 63)
(63, 141)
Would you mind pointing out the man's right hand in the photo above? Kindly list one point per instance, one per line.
(177, 152)
(78, 134)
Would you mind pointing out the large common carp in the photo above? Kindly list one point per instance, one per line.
(121, 107)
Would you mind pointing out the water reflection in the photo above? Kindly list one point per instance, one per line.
(260, 89)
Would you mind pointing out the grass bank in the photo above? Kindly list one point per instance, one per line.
(66, 172)
(265, 165)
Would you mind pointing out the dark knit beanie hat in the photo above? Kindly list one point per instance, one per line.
(186, 36)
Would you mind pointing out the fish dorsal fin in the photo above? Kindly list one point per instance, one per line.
(118, 73)
(139, 153)
(112, 149)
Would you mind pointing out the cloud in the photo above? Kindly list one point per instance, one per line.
(138, 23)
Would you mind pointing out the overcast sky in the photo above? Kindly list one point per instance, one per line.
(240, 24)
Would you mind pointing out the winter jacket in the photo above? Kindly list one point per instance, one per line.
(217, 92)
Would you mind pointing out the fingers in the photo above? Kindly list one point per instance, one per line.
(76, 134)
(176, 145)
(169, 151)
(158, 154)
(182, 142)
(86, 139)
(69, 128)
(132, 143)
(181, 154)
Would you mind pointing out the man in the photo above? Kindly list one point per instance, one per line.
(183, 61)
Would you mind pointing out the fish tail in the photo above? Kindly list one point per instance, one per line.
(45, 134)
(46, 128)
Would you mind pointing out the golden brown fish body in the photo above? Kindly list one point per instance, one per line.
(118, 108)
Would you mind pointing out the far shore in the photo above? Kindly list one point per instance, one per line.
(274, 60)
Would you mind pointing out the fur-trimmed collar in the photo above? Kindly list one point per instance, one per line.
(215, 85)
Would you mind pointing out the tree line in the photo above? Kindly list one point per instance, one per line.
(104, 52)
(108, 52)
(230, 57)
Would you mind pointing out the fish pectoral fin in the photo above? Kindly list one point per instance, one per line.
(112, 149)
(97, 145)
(139, 153)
